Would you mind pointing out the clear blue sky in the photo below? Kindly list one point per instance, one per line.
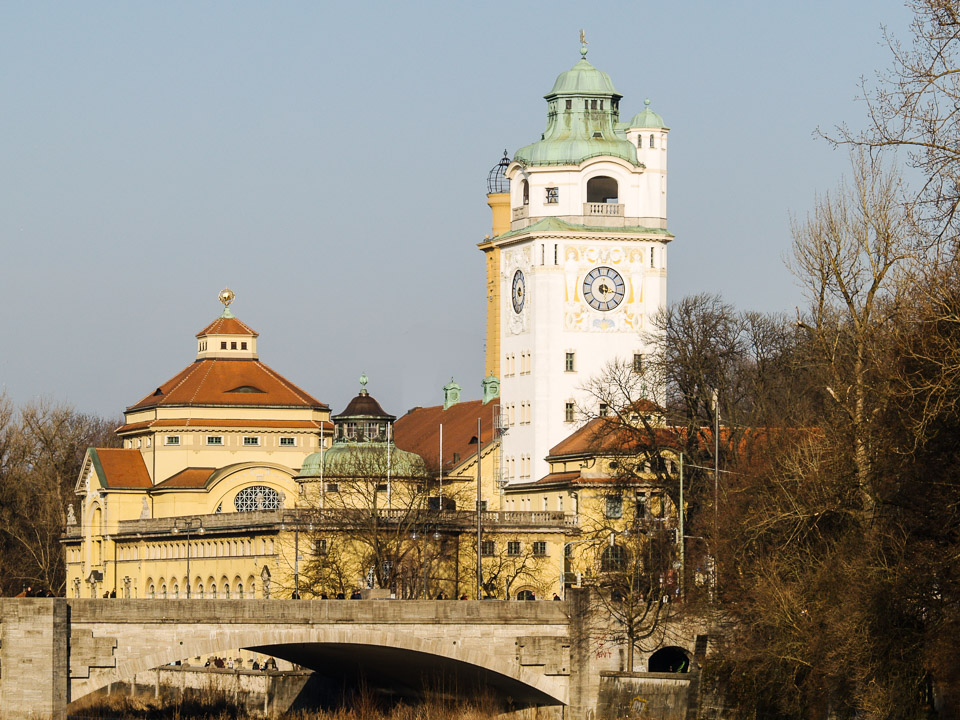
(328, 162)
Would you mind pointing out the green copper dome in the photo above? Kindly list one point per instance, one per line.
(362, 461)
(647, 118)
(583, 112)
(583, 79)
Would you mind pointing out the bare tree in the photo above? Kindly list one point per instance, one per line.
(849, 255)
(915, 106)
(41, 449)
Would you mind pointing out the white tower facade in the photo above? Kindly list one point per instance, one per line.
(583, 268)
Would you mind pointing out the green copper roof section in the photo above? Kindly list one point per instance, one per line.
(647, 118)
(583, 79)
(552, 224)
(585, 129)
(362, 461)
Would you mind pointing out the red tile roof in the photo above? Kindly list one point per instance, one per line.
(121, 468)
(608, 435)
(215, 381)
(227, 326)
(419, 431)
(187, 478)
(205, 423)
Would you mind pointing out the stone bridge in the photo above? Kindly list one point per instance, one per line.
(57, 650)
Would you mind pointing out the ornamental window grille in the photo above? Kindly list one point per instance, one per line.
(257, 497)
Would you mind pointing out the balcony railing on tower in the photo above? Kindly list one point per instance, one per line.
(607, 209)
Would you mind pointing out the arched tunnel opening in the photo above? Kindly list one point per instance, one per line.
(669, 660)
(346, 673)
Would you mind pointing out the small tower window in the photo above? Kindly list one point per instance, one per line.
(593, 104)
(637, 363)
(568, 412)
(652, 142)
(569, 104)
(569, 362)
(553, 195)
(601, 104)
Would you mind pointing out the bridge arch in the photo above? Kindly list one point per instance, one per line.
(293, 643)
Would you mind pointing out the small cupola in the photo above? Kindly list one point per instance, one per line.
(227, 337)
(363, 420)
(491, 388)
(451, 394)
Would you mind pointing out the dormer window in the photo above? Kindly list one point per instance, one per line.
(233, 346)
(243, 346)
(223, 344)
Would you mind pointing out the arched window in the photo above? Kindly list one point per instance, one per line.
(613, 559)
(651, 141)
(257, 497)
(525, 187)
(602, 189)
(213, 590)
(226, 591)
(163, 592)
(200, 590)
(526, 595)
(152, 592)
(240, 590)
(176, 592)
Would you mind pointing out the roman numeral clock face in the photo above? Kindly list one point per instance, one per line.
(518, 292)
(603, 288)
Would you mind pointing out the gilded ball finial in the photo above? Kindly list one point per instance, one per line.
(226, 296)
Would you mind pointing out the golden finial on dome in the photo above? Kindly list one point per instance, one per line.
(226, 296)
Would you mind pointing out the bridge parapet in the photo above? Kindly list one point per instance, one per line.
(64, 649)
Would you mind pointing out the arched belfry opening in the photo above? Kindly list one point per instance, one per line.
(670, 659)
(525, 186)
(602, 189)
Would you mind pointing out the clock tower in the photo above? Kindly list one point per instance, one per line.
(578, 268)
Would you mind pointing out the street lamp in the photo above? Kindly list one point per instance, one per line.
(189, 524)
(296, 522)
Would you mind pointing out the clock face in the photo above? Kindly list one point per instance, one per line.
(603, 288)
(519, 293)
